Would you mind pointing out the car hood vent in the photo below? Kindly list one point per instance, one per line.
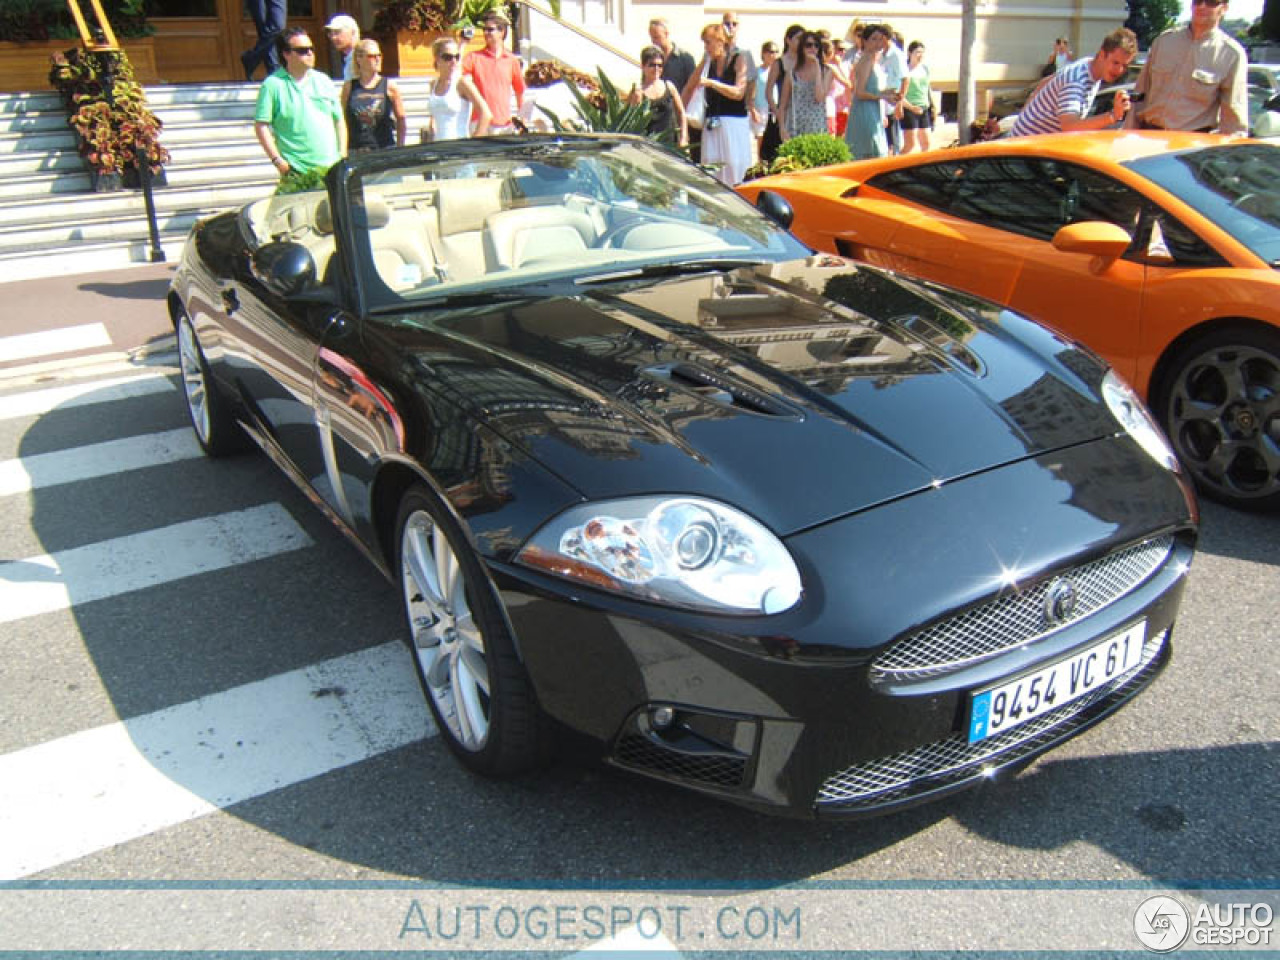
(717, 387)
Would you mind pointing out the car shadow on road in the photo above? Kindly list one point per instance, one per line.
(149, 288)
(1248, 536)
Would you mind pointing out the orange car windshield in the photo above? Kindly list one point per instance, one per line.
(1236, 187)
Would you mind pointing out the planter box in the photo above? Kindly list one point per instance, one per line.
(25, 66)
(408, 53)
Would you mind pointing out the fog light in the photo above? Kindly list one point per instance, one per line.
(662, 717)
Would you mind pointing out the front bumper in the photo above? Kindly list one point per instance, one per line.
(790, 715)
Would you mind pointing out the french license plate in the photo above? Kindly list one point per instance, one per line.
(1011, 704)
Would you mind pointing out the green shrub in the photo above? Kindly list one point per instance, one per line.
(815, 150)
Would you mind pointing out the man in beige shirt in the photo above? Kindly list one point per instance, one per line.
(1194, 78)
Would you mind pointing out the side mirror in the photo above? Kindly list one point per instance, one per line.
(775, 207)
(1104, 241)
(284, 267)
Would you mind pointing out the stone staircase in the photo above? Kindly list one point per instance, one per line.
(50, 224)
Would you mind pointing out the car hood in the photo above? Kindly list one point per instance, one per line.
(800, 392)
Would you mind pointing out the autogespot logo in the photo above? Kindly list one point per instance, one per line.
(1161, 923)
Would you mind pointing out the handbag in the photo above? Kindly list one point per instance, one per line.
(695, 111)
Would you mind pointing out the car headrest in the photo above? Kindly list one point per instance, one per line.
(464, 205)
(372, 214)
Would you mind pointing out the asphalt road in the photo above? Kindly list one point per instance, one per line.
(265, 689)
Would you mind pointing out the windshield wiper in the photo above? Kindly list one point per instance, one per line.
(673, 269)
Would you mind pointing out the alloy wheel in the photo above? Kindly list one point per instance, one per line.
(1224, 420)
(194, 384)
(446, 638)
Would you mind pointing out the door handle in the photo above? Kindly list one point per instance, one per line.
(230, 300)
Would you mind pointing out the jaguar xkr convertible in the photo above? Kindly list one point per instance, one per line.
(656, 479)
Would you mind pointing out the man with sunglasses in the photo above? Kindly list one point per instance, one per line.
(1194, 78)
(497, 73)
(298, 119)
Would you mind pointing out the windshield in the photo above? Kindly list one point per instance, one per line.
(543, 210)
(1236, 187)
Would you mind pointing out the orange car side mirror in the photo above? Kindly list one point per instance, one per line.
(1105, 241)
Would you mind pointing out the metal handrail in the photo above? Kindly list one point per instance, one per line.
(573, 28)
(87, 36)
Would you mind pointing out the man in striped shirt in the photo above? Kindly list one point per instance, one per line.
(1062, 102)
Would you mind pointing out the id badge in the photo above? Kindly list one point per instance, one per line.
(1205, 77)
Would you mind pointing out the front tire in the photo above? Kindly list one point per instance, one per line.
(475, 685)
(215, 428)
(1219, 404)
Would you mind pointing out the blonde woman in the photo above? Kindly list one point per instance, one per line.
(371, 103)
(457, 109)
(726, 132)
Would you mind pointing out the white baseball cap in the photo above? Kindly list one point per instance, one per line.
(342, 22)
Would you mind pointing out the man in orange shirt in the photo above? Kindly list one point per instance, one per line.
(497, 73)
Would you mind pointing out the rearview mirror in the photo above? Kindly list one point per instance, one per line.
(775, 207)
(284, 267)
(1105, 241)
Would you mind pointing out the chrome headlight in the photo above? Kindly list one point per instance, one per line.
(1127, 407)
(682, 551)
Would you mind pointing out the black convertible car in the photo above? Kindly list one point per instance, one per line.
(657, 479)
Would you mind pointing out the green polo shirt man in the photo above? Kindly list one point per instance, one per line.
(298, 119)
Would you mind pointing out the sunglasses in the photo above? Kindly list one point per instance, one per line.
(448, 56)
(1208, 3)
(811, 46)
(731, 23)
(654, 63)
(492, 29)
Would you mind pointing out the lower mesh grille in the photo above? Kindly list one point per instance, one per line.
(637, 751)
(1017, 618)
(927, 767)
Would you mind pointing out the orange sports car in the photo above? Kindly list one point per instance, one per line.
(1161, 251)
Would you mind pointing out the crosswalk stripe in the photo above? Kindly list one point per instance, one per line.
(96, 460)
(58, 581)
(45, 342)
(91, 790)
(84, 367)
(36, 402)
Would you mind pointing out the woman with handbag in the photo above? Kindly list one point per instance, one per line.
(726, 132)
(782, 66)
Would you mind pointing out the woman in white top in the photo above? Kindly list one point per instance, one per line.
(457, 109)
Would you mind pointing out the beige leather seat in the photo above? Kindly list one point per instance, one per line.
(398, 244)
(539, 234)
(462, 207)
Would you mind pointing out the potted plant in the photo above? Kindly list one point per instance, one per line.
(108, 110)
(801, 153)
(407, 28)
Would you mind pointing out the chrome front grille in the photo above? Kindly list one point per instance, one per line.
(934, 764)
(1019, 617)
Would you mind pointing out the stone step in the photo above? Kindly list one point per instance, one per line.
(83, 258)
(32, 237)
(15, 213)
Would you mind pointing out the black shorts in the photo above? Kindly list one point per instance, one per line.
(916, 121)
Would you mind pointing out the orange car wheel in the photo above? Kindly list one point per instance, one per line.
(1219, 403)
